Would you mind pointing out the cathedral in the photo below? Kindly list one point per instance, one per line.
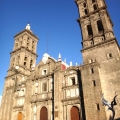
(53, 90)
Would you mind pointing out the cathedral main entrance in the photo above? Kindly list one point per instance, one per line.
(19, 116)
(75, 113)
(43, 113)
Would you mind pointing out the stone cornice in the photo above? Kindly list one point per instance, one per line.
(40, 100)
(49, 75)
(70, 87)
(15, 74)
(28, 31)
(71, 98)
(100, 44)
(24, 49)
(91, 13)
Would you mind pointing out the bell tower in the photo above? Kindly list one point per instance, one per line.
(24, 51)
(95, 22)
(23, 59)
(100, 46)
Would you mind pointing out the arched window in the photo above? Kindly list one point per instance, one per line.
(100, 26)
(25, 61)
(18, 58)
(92, 70)
(86, 12)
(89, 29)
(97, 106)
(84, 4)
(25, 58)
(95, 7)
(13, 61)
(93, 1)
(43, 113)
(75, 115)
(31, 63)
(94, 83)
(19, 116)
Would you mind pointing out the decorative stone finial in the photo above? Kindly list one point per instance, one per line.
(65, 60)
(76, 64)
(59, 57)
(70, 63)
(28, 27)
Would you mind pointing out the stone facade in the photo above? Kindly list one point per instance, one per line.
(52, 90)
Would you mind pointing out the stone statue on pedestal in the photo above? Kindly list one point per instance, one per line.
(110, 106)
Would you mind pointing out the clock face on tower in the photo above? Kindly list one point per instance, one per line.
(16, 67)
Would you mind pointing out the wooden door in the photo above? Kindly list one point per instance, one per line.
(43, 113)
(19, 116)
(75, 113)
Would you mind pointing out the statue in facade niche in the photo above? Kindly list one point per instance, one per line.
(110, 106)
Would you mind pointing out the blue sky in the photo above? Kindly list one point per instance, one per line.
(52, 20)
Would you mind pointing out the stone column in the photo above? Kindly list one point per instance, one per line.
(109, 24)
(93, 25)
(64, 112)
(34, 110)
(84, 32)
(39, 87)
(102, 16)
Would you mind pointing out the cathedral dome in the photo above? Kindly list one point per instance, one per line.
(46, 55)
(45, 58)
